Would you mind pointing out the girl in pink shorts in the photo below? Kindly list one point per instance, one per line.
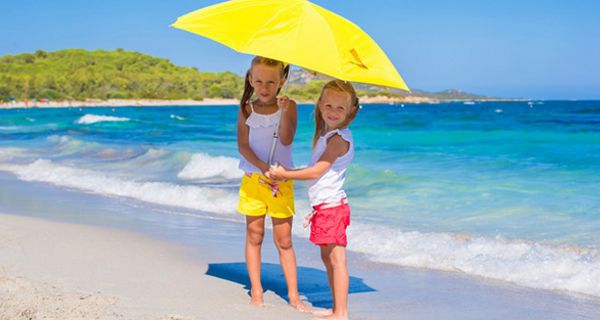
(333, 150)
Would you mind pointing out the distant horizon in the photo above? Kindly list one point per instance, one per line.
(540, 51)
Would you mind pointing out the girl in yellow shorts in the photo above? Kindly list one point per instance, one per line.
(260, 120)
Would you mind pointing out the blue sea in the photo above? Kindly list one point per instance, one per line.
(508, 191)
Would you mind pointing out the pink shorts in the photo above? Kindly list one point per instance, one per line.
(329, 223)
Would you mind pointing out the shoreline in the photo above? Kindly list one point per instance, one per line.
(211, 102)
(117, 103)
(121, 261)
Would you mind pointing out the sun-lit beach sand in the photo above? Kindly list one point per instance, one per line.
(160, 102)
(118, 103)
(56, 270)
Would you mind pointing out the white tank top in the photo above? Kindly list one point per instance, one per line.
(260, 139)
(329, 187)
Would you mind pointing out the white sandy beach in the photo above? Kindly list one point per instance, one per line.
(51, 270)
(117, 103)
(188, 102)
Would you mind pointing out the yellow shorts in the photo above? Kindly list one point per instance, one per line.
(259, 197)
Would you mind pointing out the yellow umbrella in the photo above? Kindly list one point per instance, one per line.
(297, 32)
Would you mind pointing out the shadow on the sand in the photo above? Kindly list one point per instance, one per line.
(312, 283)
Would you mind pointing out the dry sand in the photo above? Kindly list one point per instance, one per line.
(51, 270)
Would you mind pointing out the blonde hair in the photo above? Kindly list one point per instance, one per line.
(339, 86)
(248, 90)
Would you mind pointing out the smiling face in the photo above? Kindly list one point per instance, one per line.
(266, 80)
(335, 107)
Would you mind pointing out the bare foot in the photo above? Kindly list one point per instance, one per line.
(322, 312)
(331, 317)
(256, 298)
(300, 306)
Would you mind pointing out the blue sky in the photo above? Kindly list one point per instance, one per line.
(534, 49)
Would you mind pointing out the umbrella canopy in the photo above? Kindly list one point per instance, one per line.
(297, 32)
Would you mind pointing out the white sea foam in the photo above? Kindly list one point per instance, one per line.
(204, 166)
(9, 128)
(92, 118)
(59, 139)
(192, 197)
(9, 153)
(525, 263)
(176, 117)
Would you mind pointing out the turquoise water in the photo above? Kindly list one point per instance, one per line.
(496, 189)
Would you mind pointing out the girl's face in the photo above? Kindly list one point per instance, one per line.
(266, 80)
(335, 107)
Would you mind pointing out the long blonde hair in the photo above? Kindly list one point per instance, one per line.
(339, 86)
(248, 90)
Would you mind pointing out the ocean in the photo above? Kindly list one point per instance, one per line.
(508, 191)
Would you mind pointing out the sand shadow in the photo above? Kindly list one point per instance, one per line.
(312, 283)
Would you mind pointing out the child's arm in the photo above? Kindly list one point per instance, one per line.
(336, 147)
(244, 145)
(289, 120)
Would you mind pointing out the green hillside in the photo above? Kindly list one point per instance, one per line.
(77, 74)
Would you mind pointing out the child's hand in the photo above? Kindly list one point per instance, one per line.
(276, 173)
(265, 169)
(284, 103)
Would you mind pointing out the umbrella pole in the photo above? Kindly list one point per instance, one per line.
(276, 132)
(287, 76)
(274, 144)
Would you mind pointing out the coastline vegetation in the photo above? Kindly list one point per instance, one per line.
(79, 75)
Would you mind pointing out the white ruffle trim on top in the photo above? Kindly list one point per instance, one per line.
(256, 120)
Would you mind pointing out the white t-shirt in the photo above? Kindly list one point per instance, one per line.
(329, 187)
(260, 139)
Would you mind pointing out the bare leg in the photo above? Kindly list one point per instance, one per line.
(337, 255)
(255, 232)
(282, 236)
(325, 257)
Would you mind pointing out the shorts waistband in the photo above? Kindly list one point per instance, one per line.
(308, 218)
(331, 204)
